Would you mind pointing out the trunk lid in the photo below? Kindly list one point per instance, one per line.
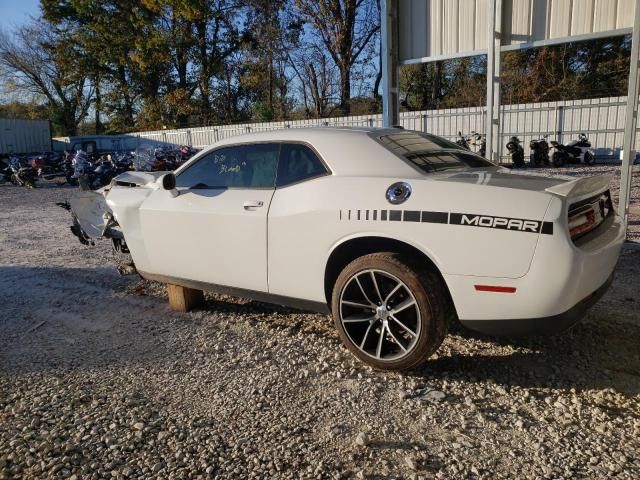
(505, 178)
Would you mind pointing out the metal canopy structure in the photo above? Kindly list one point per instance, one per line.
(422, 31)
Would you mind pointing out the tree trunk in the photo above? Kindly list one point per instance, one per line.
(435, 85)
(345, 89)
(98, 106)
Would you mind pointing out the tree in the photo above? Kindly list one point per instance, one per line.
(33, 60)
(345, 28)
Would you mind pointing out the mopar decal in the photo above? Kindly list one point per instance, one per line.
(488, 221)
(463, 219)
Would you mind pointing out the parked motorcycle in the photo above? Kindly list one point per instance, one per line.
(5, 171)
(21, 175)
(539, 152)
(51, 165)
(462, 141)
(92, 176)
(517, 152)
(479, 143)
(576, 151)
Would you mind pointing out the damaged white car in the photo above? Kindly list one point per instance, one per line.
(393, 232)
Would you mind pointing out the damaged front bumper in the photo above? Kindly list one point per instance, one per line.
(93, 219)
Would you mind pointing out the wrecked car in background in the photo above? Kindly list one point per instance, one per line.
(393, 232)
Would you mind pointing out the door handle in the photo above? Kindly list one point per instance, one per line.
(252, 204)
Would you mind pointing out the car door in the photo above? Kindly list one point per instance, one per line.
(215, 230)
(299, 217)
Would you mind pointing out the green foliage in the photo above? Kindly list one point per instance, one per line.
(116, 66)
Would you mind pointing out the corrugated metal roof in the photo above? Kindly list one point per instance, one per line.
(432, 29)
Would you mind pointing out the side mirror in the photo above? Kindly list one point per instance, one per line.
(169, 181)
(169, 184)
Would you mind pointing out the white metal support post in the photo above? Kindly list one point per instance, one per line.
(390, 66)
(493, 80)
(631, 119)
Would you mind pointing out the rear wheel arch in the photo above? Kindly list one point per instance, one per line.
(353, 248)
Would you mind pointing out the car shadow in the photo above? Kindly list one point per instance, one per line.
(592, 355)
(584, 357)
(89, 318)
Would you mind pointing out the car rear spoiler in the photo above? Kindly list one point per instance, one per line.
(582, 186)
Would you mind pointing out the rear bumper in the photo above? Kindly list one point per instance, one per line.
(561, 276)
(546, 325)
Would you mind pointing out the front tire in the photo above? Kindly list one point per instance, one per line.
(388, 313)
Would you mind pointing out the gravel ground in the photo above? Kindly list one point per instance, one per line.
(99, 379)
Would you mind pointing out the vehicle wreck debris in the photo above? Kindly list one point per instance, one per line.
(92, 220)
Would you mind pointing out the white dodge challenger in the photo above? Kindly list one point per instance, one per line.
(393, 232)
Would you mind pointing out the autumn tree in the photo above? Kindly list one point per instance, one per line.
(34, 61)
(345, 28)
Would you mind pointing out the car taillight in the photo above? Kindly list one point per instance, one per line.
(582, 222)
(587, 215)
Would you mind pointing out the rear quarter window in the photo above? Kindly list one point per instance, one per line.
(429, 153)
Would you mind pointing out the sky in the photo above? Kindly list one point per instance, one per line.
(16, 12)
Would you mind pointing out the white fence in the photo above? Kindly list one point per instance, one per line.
(602, 119)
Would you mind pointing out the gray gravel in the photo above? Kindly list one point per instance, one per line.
(99, 379)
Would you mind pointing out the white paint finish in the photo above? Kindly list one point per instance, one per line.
(297, 261)
(207, 235)
(604, 14)
(467, 29)
(125, 203)
(434, 26)
(453, 29)
(624, 13)
(450, 26)
(582, 20)
(517, 20)
(481, 22)
(560, 276)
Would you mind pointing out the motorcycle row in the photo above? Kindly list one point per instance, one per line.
(89, 171)
(543, 152)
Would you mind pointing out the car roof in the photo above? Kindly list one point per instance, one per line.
(303, 132)
(349, 151)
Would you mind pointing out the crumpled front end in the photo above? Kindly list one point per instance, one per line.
(113, 211)
(92, 217)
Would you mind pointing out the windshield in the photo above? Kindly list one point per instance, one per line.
(430, 153)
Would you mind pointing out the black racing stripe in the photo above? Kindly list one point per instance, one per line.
(455, 218)
(411, 216)
(395, 215)
(383, 215)
(435, 217)
(499, 223)
(547, 228)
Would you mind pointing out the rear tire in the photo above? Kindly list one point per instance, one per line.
(588, 158)
(558, 160)
(388, 313)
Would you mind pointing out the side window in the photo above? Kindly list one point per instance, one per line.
(242, 166)
(298, 162)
